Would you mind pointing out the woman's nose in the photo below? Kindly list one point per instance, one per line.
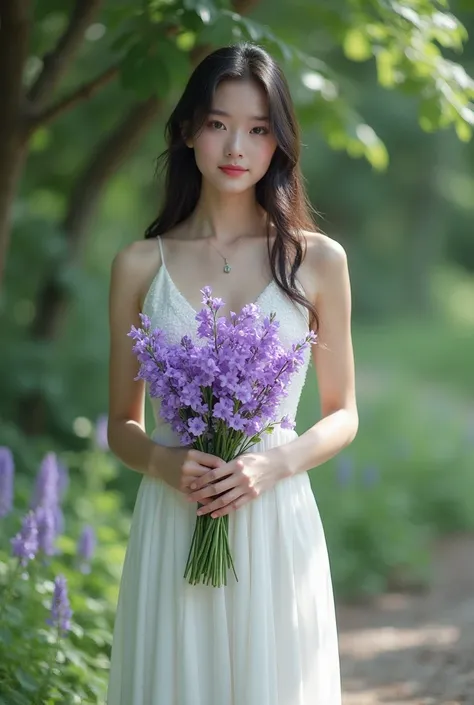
(234, 146)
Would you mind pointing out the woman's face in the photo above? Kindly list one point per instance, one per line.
(236, 133)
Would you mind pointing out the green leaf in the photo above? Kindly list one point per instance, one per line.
(357, 46)
(205, 9)
(145, 72)
(26, 681)
(16, 698)
(5, 636)
(463, 131)
(386, 68)
(15, 616)
(123, 41)
(430, 113)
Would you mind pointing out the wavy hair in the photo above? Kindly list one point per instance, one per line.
(280, 192)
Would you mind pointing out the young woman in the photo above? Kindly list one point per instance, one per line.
(235, 218)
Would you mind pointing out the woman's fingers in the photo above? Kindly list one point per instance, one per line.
(225, 503)
(215, 474)
(206, 459)
(213, 489)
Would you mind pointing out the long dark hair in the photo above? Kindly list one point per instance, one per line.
(280, 192)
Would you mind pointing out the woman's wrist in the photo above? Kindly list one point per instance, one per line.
(280, 458)
(158, 460)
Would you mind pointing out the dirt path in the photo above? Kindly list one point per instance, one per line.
(414, 649)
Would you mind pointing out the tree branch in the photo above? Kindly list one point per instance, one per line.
(245, 7)
(57, 62)
(84, 92)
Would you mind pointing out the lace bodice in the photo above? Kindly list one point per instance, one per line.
(169, 310)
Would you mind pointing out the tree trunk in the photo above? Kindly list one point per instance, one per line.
(14, 35)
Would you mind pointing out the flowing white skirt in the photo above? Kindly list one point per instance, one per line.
(268, 639)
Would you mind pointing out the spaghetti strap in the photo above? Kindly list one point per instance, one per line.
(158, 237)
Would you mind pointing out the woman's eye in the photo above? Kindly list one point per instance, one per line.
(216, 125)
(261, 130)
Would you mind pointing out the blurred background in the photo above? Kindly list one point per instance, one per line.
(383, 93)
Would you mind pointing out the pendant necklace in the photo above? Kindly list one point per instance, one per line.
(226, 268)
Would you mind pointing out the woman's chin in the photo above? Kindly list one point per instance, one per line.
(229, 186)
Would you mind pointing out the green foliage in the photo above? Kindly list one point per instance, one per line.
(151, 43)
(38, 663)
(407, 478)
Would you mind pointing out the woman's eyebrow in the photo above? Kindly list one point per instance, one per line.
(223, 113)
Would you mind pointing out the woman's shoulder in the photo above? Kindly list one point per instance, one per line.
(137, 254)
(135, 265)
(322, 250)
(324, 265)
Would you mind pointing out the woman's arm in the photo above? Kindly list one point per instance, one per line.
(333, 358)
(126, 427)
(132, 272)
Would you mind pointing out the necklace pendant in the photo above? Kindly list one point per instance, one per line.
(227, 267)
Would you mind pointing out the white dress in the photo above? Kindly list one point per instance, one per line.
(268, 639)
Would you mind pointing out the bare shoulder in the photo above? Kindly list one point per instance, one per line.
(136, 256)
(324, 265)
(324, 254)
(135, 265)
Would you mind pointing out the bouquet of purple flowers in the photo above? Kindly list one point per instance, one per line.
(220, 397)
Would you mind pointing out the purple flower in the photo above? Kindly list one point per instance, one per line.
(223, 409)
(232, 379)
(101, 432)
(86, 547)
(25, 544)
(46, 523)
(51, 483)
(344, 469)
(196, 426)
(63, 480)
(59, 521)
(46, 493)
(287, 423)
(7, 472)
(370, 476)
(61, 612)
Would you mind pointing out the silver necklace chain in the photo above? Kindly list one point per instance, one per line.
(226, 268)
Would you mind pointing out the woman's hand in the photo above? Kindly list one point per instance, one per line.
(228, 487)
(187, 465)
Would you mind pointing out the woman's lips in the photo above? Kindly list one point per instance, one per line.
(233, 170)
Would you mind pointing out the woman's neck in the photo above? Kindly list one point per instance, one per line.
(227, 217)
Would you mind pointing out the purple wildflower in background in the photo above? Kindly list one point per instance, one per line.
(63, 480)
(25, 544)
(370, 476)
(7, 472)
(46, 493)
(86, 547)
(101, 432)
(46, 523)
(61, 612)
(50, 482)
(344, 469)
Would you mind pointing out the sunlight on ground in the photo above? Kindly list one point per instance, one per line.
(364, 644)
